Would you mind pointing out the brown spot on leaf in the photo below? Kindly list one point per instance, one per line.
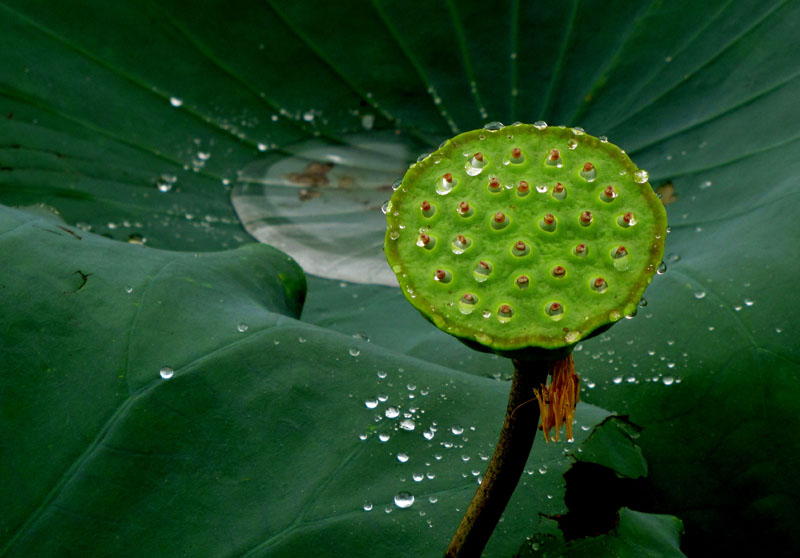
(667, 191)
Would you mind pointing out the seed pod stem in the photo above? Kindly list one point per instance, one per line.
(508, 461)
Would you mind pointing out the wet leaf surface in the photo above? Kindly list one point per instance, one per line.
(137, 120)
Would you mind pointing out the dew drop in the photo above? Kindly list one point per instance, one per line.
(129, 290)
(408, 424)
(403, 499)
(699, 294)
(383, 437)
(457, 430)
(367, 506)
(662, 268)
(749, 302)
(493, 126)
(392, 412)
(176, 101)
(617, 380)
(354, 352)
(540, 124)
(381, 374)
(402, 457)
(640, 176)
(166, 372)
(165, 182)
(668, 380)
(371, 403)
(386, 207)
(418, 477)
(301, 339)
(242, 327)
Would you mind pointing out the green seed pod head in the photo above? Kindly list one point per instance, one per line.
(525, 239)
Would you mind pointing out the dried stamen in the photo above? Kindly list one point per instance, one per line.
(586, 218)
(522, 281)
(559, 271)
(557, 401)
(494, 184)
(523, 188)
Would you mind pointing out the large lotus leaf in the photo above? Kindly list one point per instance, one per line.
(163, 403)
(638, 535)
(105, 103)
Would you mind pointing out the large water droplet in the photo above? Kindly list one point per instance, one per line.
(540, 124)
(640, 176)
(662, 268)
(402, 457)
(403, 499)
(493, 126)
(371, 403)
(408, 424)
(367, 506)
(392, 412)
(166, 372)
(176, 101)
(386, 207)
(457, 430)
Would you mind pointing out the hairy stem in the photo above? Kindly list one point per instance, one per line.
(508, 461)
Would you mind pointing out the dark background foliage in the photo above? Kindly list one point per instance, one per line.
(137, 121)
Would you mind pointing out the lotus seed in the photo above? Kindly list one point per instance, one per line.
(588, 172)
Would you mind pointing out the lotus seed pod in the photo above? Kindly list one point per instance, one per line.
(518, 270)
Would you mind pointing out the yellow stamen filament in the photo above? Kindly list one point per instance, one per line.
(558, 400)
